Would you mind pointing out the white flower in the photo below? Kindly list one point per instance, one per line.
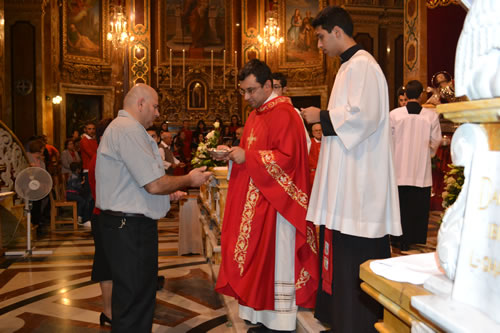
(216, 124)
(195, 160)
(202, 156)
(211, 134)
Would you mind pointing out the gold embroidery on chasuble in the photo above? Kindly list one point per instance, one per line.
(304, 276)
(283, 179)
(241, 248)
(251, 139)
(273, 103)
(311, 240)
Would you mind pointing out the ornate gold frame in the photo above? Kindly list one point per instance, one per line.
(189, 91)
(104, 57)
(283, 24)
(177, 59)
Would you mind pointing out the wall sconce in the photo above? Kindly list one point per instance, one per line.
(56, 99)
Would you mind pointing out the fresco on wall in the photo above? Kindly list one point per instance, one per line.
(301, 45)
(83, 26)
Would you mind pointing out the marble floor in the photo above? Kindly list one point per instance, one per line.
(53, 293)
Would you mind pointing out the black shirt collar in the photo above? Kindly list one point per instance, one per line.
(413, 108)
(347, 54)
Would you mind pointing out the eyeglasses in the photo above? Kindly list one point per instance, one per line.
(249, 91)
(277, 86)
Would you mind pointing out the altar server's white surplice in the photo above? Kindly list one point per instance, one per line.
(355, 189)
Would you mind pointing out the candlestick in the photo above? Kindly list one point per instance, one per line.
(157, 69)
(235, 69)
(212, 69)
(183, 68)
(224, 70)
(170, 68)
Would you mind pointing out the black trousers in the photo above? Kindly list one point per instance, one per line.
(414, 205)
(349, 309)
(131, 246)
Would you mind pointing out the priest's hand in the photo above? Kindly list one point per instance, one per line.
(237, 155)
(310, 114)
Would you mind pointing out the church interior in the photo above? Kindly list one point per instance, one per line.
(66, 63)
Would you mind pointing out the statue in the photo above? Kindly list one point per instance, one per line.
(477, 73)
(468, 139)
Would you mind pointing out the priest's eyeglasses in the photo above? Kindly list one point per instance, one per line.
(250, 91)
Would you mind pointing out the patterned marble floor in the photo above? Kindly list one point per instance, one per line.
(53, 293)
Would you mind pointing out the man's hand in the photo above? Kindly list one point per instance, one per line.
(237, 155)
(199, 176)
(177, 195)
(310, 114)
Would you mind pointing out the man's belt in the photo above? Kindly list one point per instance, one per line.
(122, 214)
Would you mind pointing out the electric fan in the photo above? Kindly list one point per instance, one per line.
(32, 184)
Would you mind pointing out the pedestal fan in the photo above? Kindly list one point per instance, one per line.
(32, 184)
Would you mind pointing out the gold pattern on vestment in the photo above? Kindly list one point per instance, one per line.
(241, 248)
(251, 139)
(283, 179)
(304, 276)
(311, 240)
(271, 104)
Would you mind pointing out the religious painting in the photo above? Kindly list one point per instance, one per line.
(196, 26)
(301, 44)
(81, 109)
(197, 95)
(83, 37)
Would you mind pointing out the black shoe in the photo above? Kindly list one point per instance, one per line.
(103, 319)
(161, 282)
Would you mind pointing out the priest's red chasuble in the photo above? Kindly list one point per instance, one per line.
(274, 178)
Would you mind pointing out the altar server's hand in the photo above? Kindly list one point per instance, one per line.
(237, 155)
(310, 114)
(177, 195)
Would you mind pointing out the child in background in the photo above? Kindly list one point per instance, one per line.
(73, 189)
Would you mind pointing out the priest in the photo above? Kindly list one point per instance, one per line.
(269, 253)
(354, 196)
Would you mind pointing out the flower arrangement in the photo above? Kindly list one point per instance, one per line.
(453, 182)
(202, 156)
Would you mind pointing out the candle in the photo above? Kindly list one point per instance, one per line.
(212, 69)
(170, 68)
(183, 68)
(157, 69)
(224, 70)
(235, 69)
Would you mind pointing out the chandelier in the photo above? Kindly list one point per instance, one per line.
(118, 34)
(271, 38)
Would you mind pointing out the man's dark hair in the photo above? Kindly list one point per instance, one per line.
(413, 89)
(332, 16)
(258, 68)
(281, 77)
(101, 127)
(153, 129)
(73, 166)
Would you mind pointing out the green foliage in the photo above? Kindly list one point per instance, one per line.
(453, 180)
